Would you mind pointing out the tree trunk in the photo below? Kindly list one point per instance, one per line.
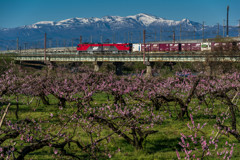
(44, 99)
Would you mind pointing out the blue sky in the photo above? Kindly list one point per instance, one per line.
(15, 13)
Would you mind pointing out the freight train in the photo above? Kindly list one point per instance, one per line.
(156, 47)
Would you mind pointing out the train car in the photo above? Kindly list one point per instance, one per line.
(195, 46)
(206, 46)
(222, 46)
(164, 47)
(186, 47)
(175, 47)
(238, 45)
(89, 48)
(137, 47)
(147, 47)
(215, 46)
(104, 48)
(227, 46)
(154, 47)
(235, 46)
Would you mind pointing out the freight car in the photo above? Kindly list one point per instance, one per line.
(136, 47)
(169, 47)
(104, 48)
(225, 46)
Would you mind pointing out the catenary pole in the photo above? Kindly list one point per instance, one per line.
(45, 42)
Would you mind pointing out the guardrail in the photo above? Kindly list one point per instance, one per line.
(129, 58)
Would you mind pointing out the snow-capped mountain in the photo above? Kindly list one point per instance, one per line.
(141, 19)
(109, 28)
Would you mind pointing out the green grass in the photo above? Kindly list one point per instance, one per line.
(161, 145)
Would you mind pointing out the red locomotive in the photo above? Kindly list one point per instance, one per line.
(104, 48)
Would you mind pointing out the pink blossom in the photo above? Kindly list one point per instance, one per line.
(55, 151)
(178, 155)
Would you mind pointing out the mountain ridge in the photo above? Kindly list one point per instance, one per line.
(108, 28)
(143, 18)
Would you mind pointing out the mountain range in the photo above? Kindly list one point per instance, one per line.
(106, 29)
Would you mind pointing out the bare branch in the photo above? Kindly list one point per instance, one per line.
(4, 114)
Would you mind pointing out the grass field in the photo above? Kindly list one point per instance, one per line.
(161, 145)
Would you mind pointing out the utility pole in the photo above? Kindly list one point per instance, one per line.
(140, 39)
(223, 28)
(173, 36)
(25, 45)
(101, 39)
(227, 19)
(80, 39)
(203, 32)
(180, 32)
(144, 36)
(155, 35)
(114, 37)
(91, 39)
(17, 43)
(239, 28)
(64, 43)
(194, 33)
(131, 36)
(45, 45)
(160, 33)
(128, 36)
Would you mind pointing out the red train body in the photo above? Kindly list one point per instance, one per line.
(104, 48)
